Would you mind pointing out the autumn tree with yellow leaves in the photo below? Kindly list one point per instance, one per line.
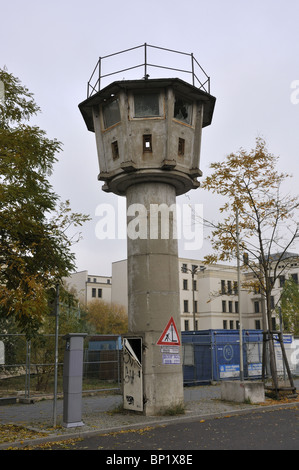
(251, 186)
(106, 317)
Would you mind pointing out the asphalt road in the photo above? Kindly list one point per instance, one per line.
(259, 430)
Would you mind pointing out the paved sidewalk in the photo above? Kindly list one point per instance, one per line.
(100, 414)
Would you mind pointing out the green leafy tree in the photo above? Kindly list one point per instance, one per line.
(35, 250)
(289, 303)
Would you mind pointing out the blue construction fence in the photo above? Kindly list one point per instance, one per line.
(207, 355)
(214, 355)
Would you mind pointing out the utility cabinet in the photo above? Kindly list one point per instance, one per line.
(72, 379)
(132, 374)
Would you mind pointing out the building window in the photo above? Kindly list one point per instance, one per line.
(147, 143)
(223, 306)
(194, 284)
(185, 284)
(184, 268)
(111, 113)
(235, 288)
(99, 293)
(195, 306)
(115, 153)
(181, 147)
(93, 292)
(231, 324)
(186, 324)
(225, 324)
(295, 278)
(236, 307)
(229, 287)
(256, 307)
(182, 110)
(257, 289)
(230, 306)
(186, 306)
(223, 289)
(94, 279)
(257, 324)
(282, 281)
(272, 302)
(196, 325)
(146, 105)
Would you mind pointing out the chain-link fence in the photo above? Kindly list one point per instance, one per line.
(27, 368)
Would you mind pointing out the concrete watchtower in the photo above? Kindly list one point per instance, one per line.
(148, 135)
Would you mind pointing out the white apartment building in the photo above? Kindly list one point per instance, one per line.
(214, 289)
(215, 296)
(216, 304)
(89, 287)
(287, 268)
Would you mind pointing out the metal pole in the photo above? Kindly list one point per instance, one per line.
(100, 71)
(194, 325)
(56, 355)
(239, 299)
(281, 331)
(145, 60)
(29, 366)
(192, 65)
(27, 380)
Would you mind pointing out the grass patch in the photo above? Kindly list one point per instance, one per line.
(178, 409)
(12, 385)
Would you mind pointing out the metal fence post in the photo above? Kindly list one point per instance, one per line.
(27, 375)
(56, 356)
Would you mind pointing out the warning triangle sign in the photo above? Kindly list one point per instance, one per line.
(170, 335)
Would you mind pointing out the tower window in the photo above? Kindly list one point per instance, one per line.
(114, 146)
(181, 147)
(182, 110)
(146, 105)
(111, 113)
(147, 143)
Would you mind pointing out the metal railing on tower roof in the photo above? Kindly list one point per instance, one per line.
(194, 69)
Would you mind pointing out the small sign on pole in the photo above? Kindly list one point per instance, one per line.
(170, 335)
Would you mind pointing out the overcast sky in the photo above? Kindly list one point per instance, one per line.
(250, 49)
